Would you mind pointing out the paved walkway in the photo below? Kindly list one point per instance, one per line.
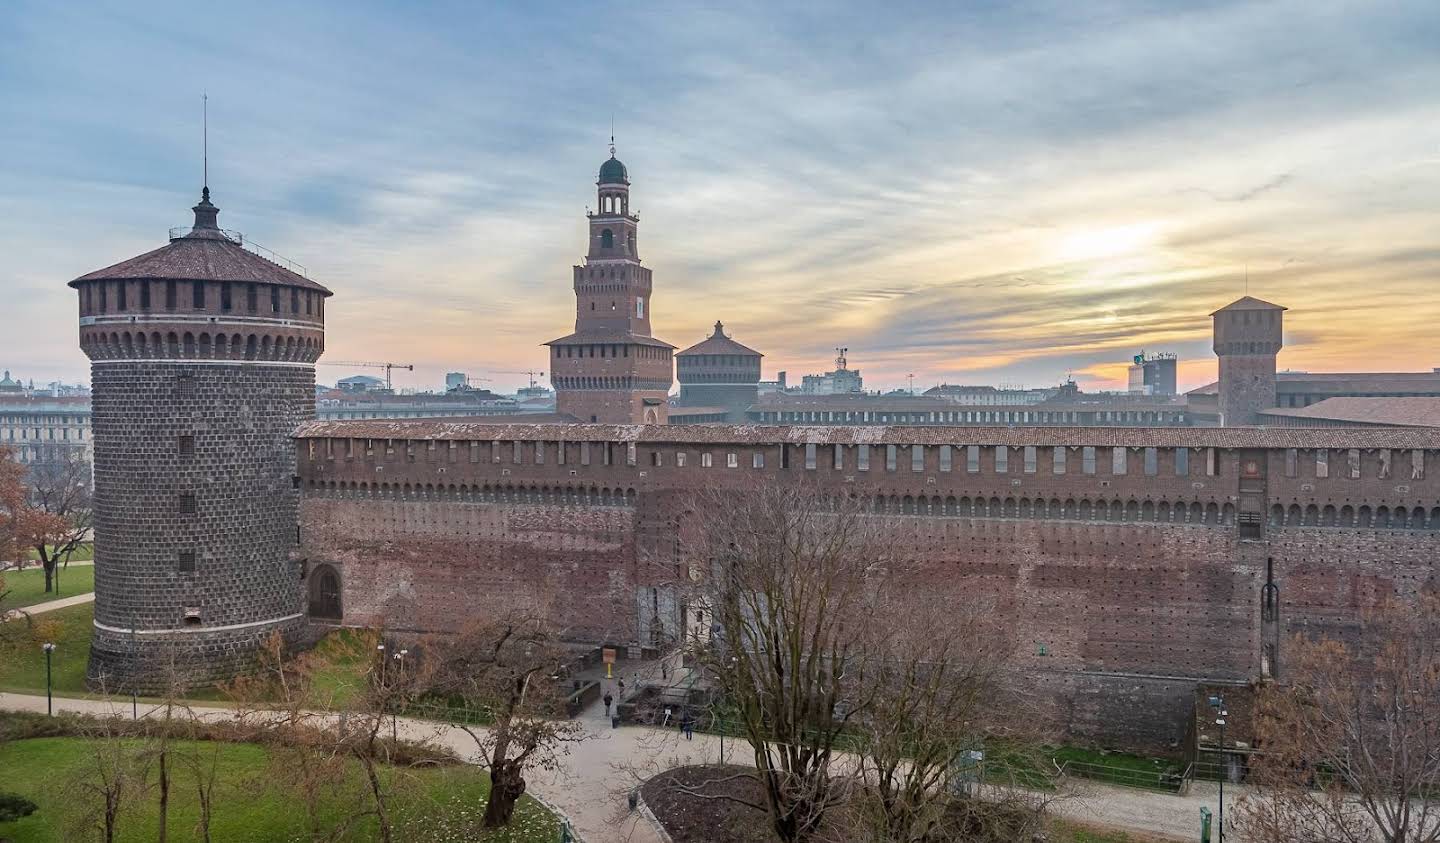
(41, 608)
(593, 781)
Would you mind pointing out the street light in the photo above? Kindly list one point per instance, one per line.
(49, 701)
(1219, 703)
(395, 715)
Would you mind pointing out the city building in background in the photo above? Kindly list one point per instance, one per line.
(863, 409)
(361, 383)
(991, 395)
(38, 428)
(842, 381)
(380, 404)
(1153, 374)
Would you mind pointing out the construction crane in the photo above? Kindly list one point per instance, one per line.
(531, 373)
(369, 365)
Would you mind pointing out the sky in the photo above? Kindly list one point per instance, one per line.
(971, 192)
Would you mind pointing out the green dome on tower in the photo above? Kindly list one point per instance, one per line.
(614, 172)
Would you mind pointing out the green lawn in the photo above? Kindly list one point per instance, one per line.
(22, 667)
(252, 803)
(27, 587)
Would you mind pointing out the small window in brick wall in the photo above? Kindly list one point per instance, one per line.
(187, 503)
(187, 446)
(186, 562)
(185, 384)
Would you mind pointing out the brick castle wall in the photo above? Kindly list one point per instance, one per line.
(1127, 578)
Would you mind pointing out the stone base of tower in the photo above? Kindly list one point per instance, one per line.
(156, 662)
(614, 406)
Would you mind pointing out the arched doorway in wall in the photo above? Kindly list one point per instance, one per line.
(651, 416)
(325, 593)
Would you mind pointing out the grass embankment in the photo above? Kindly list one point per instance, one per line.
(84, 552)
(251, 803)
(22, 662)
(27, 587)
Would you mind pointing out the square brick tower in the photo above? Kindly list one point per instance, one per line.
(1247, 337)
(611, 369)
(202, 355)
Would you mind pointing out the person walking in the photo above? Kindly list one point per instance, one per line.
(622, 688)
(687, 725)
(608, 700)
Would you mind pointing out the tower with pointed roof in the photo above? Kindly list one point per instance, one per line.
(719, 372)
(203, 363)
(611, 369)
(1247, 339)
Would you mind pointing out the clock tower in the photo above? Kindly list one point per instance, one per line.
(611, 369)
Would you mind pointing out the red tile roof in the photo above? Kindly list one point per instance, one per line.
(604, 337)
(1249, 303)
(203, 256)
(718, 343)
(719, 434)
(1393, 412)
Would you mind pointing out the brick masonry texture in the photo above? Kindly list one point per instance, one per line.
(241, 530)
(1128, 585)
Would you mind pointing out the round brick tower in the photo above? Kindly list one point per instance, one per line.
(719, 372)
(203, 363)
(1247, 338)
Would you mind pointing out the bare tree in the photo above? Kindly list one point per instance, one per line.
(106, 781)
(940, 694)
(1351, 740)
(508, 670)
(278, 706)
(61, 490)
(793, 586)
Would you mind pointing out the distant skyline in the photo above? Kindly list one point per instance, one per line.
(973, 192)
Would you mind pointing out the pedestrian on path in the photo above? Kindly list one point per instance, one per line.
(608, 700)
(687, 725)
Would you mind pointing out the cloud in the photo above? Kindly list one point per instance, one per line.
(911, 184)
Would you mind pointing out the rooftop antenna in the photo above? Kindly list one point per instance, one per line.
(205, 144)
(612, 134)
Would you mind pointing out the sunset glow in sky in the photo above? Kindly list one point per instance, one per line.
(973, 192)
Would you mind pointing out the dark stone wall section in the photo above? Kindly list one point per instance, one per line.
(195, 550)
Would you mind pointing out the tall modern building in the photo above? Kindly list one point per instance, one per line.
(611, 369)
(203, 362)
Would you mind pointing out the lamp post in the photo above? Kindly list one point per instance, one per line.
(1219, 703)
(49, 701)
(395, 715)
(134, 690)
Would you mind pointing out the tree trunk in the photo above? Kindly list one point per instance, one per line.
(507, 785)
(49, 566)
(380, 812)
(164, 797)
(204, 812)
(112, 808)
